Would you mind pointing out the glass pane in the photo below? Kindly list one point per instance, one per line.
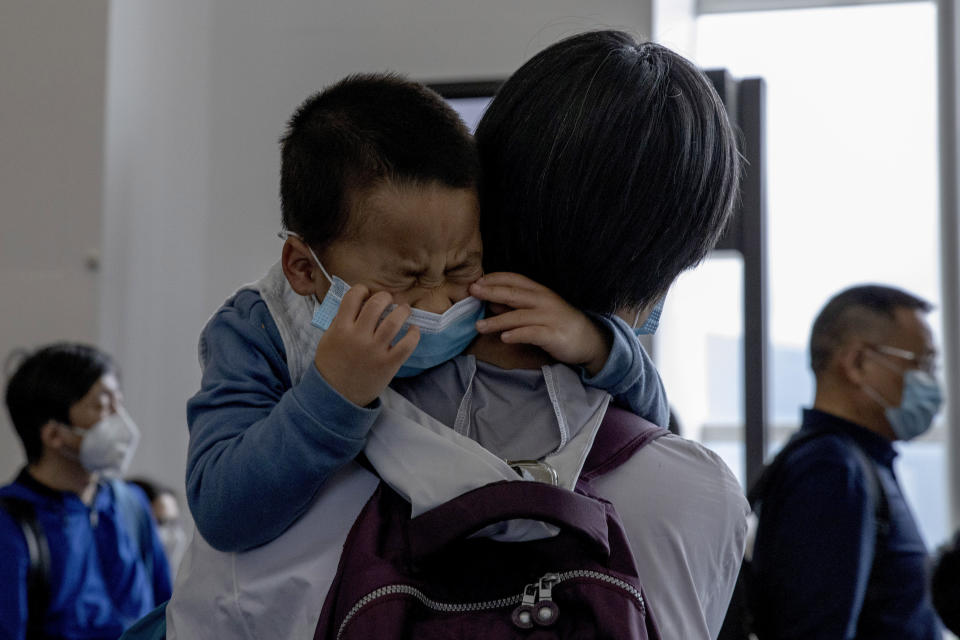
(699, 354)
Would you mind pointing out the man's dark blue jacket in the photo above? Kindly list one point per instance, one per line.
(818, 536)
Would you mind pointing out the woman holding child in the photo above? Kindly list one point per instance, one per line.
(608, 168)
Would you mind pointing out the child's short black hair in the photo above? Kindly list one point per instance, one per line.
(47, 383)
(361, 132)
(609, 168)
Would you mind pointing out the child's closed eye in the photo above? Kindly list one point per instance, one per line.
(467, 272)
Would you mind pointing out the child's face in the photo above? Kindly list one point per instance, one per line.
(420, 243)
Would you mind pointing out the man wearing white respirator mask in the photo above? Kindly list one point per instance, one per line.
(79, 553)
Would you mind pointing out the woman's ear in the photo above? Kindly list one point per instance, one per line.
(299, 267)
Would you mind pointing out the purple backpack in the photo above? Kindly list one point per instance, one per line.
(426, 577)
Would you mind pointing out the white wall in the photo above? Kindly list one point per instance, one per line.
(198, 95)
(52, 74)
(675, 24)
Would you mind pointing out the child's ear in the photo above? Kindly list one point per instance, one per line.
(299, 267)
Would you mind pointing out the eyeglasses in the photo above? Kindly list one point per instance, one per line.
(926, 363)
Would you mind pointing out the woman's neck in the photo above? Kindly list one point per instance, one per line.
(489, 348)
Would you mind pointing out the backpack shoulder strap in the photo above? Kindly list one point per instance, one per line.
(137, 521)
(875, 492)
(762, 484)
(881, 511)
(38, 551)
(621, 434)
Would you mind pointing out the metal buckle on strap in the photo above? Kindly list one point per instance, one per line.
(538, 470)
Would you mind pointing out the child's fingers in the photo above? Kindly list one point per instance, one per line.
(509, 279)
(510, 320)
(537, 335)
(405, 345)
(372, 311)
(352, 303)
(515, 297)
(390, 326)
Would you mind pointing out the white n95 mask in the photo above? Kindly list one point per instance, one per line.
(108, 446)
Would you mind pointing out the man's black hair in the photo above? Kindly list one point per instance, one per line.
(857, 311)
(47, 383)
(609, 167)
(364, 131)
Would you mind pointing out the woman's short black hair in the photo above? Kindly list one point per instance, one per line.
(359, 133)
(47, 383)
(609, 167)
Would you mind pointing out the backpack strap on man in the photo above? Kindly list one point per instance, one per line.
(759, 489)
(621, 434)
(38, 553)
(136, 519)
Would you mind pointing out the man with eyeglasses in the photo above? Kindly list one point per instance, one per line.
(837, 552)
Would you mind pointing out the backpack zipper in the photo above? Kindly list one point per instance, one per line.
(541, 589)
(446, 607)
(603, 577)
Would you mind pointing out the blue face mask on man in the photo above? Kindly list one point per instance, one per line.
(919, 403)
(650, 325)
(442, 335)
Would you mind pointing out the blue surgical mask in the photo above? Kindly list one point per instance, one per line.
(919, 403)
(442, 335)
(649, 326)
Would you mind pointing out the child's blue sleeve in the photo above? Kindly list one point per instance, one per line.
(260, 448)
(629, 374)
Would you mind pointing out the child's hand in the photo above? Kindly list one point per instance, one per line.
(355, 355)
(540, 317)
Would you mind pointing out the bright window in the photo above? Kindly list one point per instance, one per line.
(852, 195)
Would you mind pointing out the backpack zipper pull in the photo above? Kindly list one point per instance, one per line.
(523, 615)
(546, 610)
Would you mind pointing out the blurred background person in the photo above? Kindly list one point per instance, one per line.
(838, 553)
(79, 554)
(166, 513)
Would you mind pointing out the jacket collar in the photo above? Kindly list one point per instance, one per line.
(875, 445)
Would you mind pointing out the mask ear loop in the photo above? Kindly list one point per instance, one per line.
(636, 318)
(870, 391)
(283, 235)
(874, 395)
(72, 430)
